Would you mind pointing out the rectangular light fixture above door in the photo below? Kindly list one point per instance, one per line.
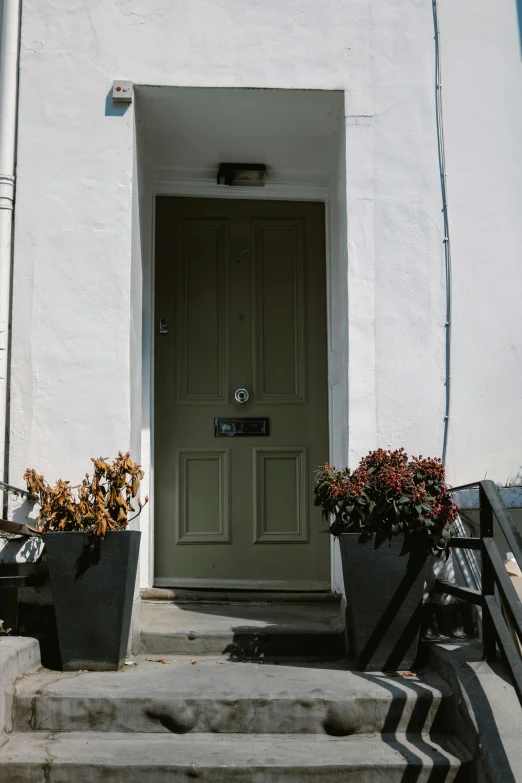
(242, 174)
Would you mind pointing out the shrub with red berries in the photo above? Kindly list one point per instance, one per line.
(389, 495)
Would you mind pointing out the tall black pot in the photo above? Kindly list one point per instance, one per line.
(384, 592)
(93, 594)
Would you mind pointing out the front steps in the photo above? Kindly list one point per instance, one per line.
(230, 697)
(216, 719)
(314, 631)
(230, 722)
(240, 758)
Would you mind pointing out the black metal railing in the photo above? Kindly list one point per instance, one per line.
(495, 629)
(16, 528)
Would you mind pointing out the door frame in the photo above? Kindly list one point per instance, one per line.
(163, 185)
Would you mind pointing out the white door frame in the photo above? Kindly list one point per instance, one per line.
(163, 185)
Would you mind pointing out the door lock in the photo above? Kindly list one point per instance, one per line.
(241, 396)
(243, 257)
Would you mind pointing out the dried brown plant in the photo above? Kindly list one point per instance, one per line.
(98, 504)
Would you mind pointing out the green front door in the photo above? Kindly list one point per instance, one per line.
(240, 305)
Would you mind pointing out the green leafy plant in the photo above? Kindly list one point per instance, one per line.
(100, 503)
(389, 495)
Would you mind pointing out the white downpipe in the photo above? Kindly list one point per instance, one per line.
(8, 109)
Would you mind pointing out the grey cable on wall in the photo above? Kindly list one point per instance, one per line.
(466, 559)
(446, 240)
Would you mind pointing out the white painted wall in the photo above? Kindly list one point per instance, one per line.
(482, 89)
(77, 288)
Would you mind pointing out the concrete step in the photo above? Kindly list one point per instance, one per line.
(225, 758)
(230, 697)
(243, 630)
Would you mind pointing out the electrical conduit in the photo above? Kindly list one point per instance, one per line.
(9, 49)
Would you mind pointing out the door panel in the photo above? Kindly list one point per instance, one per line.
(280, 495)
(241, 285)
(204, 496)
(279, 312)
(202, 312)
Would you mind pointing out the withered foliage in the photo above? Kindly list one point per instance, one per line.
(98, 504)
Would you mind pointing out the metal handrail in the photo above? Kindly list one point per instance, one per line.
(495, 630)
(464, 486)
(503, 516)
(23, 493)
(15, 528)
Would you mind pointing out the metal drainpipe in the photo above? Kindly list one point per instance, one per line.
(10, 45)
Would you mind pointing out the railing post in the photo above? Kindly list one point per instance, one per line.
(488, 578)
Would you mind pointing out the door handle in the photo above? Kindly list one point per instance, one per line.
(241, 396)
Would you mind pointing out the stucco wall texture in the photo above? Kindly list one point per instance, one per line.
(76, 291)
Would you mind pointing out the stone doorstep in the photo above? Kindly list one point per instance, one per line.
(292, 714)
(182, 595)
(248, 630)
(230, 697)
(85, 757)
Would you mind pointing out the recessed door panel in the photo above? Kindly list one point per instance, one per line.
(203, 497)
(280, 496)
(202, 312)
(240, 416)
(279, 311)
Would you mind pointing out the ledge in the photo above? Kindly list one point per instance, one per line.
(487, 716)
(469, 498)
(18, 656)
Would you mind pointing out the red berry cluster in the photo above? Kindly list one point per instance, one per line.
(389, 494)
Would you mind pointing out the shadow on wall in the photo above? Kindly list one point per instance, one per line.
(114, 109)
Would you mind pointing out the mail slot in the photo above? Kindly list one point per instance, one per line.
(234, 428)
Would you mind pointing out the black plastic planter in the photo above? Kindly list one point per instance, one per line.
(384, 594)
(93, 594)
